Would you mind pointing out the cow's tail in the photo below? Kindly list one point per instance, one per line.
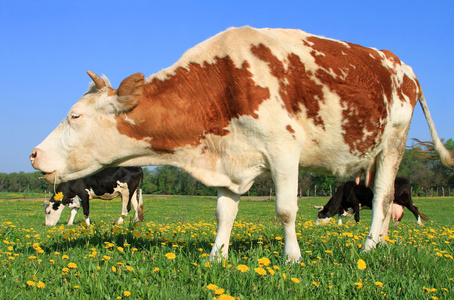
(424, 217)
(436, 145)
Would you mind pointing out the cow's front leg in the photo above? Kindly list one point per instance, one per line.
(226, 210)
(286, 182)
(73, 215)
(85, 202)
(74, 205)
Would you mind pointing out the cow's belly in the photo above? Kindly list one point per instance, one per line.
(337, 161)
(105, 196)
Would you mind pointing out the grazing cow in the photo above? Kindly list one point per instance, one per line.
(349, 198)
(344, 202)
(245, 102)
(106, 184)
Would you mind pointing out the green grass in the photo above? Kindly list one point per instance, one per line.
(35, 260)
(22, 195)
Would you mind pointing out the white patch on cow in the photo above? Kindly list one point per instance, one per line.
(131, 121)
(73, 215)
(52, 216)
(339, 220)
(322, 221)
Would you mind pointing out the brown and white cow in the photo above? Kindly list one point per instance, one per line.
(245, 102)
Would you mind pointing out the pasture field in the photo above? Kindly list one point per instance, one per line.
(166, 257)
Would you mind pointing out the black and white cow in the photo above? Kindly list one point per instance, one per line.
(106, 184)
(350, 198)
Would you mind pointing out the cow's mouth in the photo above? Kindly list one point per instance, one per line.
(50, 177)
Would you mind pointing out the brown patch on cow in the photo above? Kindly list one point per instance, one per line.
(363, 84)
(290, 129)
(197, 100)
(285, 217)
(410, 89)
(407, 87)
(295, 84)
(111, 92)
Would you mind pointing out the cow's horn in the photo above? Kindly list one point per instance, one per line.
(100, 83)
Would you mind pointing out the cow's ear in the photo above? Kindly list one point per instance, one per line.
(129, 92)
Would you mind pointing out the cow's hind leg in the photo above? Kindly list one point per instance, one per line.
(134, 200)
(387, 165)
(226, 210)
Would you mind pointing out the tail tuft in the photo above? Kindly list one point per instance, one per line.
(424, 217)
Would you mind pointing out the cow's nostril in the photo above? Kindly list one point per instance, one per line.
(34, 156)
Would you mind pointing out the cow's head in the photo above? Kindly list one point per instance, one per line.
(52, 212)
(85, 140)
(323, 216)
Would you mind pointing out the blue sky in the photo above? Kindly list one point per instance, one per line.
(47, 46)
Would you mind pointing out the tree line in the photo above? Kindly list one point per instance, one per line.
(428, 178)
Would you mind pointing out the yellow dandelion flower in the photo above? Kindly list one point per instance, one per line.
(65, 270)
(315, 283)
(226, 297)
(284, 276)
(264, 261)
(130, 269)
(58, 196)
(379, 284)
(361, 264)
(212, 287)
(242, 268)
(359, 284)
(260, 271)
(40, 285)
(72, 266)
(31, 283)
(65, 257)
(170, 255)
(155, 269)
(219, 291)
(295, 280)
(106, 257)
(271, 271)
(76, 287)
(114, 269)
(126, 293)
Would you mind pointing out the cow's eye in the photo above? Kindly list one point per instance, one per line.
(75, 116)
